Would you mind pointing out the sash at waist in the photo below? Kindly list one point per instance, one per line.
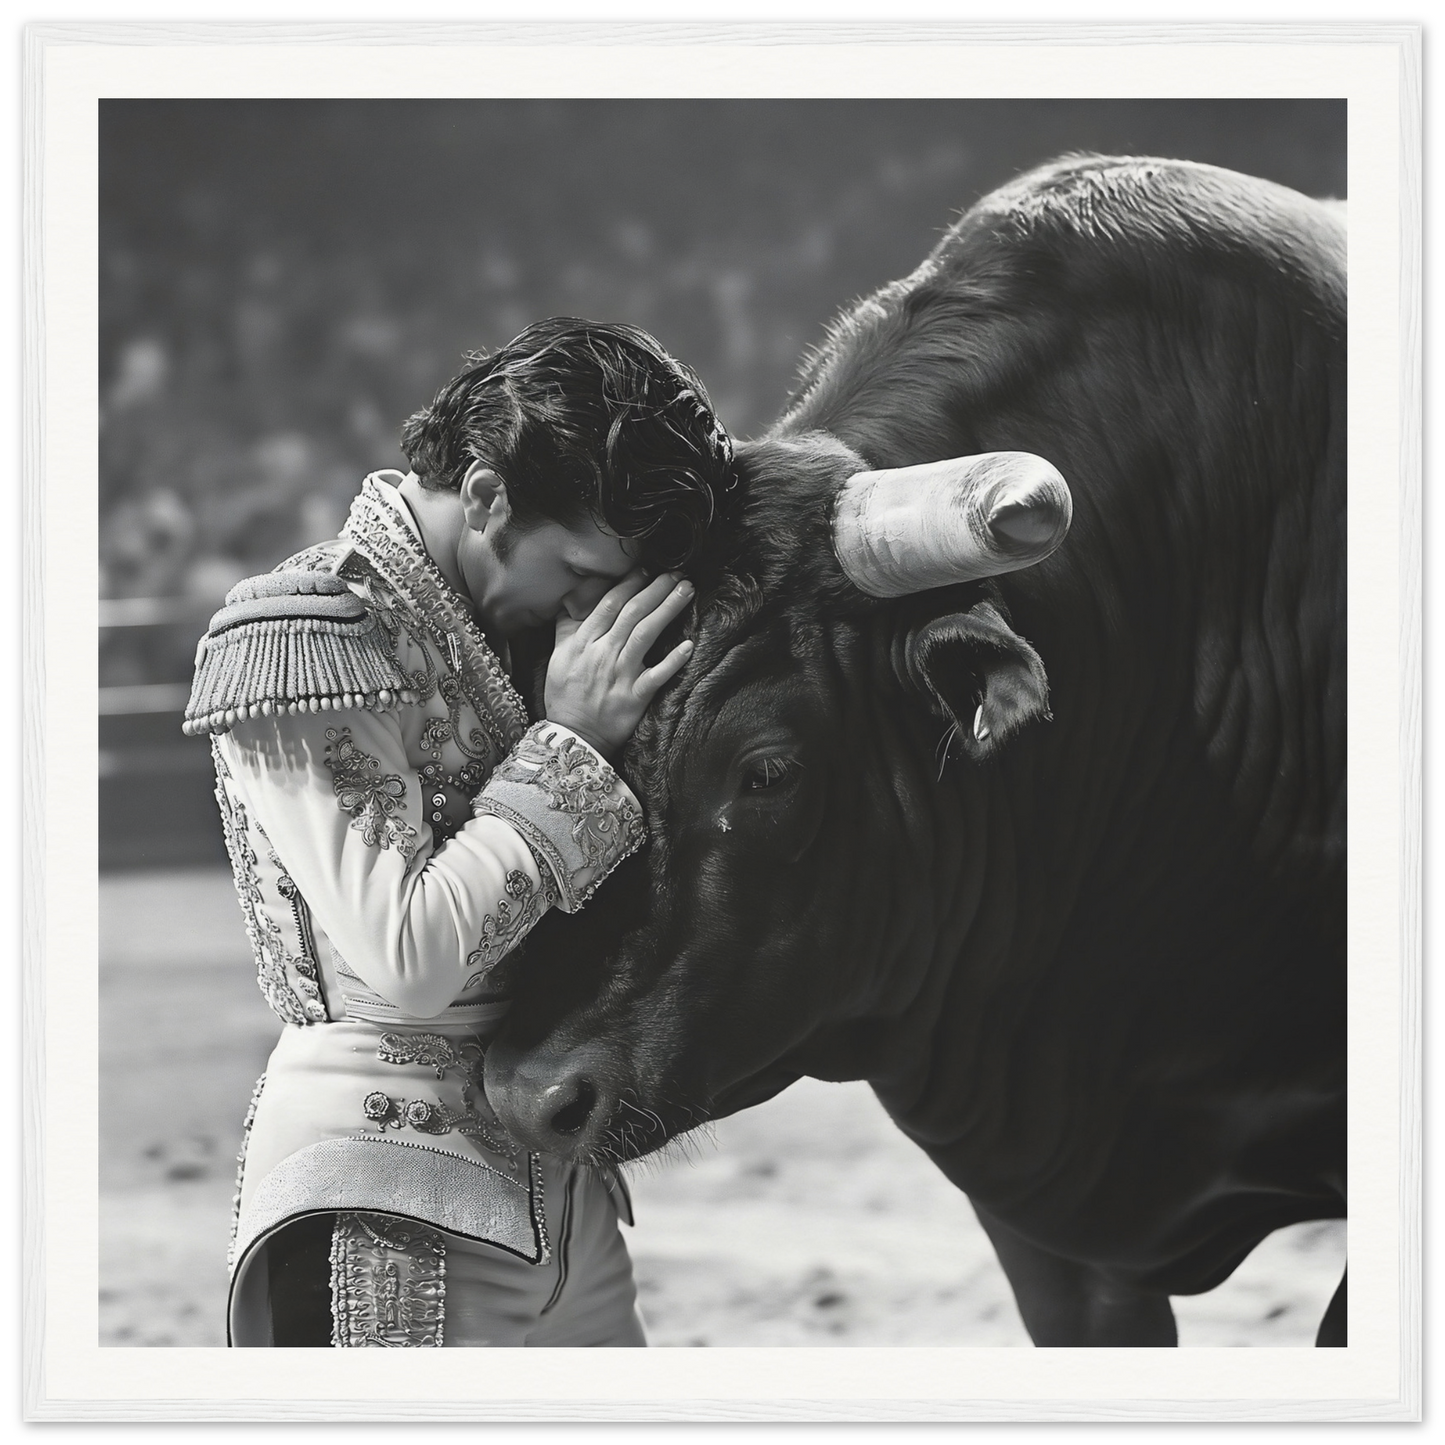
(479, 1018)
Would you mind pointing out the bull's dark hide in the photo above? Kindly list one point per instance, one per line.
(1093, 963)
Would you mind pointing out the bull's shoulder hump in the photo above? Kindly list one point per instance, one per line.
(1128, 210)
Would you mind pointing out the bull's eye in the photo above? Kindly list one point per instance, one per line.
(761, 774)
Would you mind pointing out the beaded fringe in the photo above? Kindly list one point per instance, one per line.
(292, 665)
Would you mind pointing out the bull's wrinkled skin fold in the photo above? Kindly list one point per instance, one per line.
(1056, 860)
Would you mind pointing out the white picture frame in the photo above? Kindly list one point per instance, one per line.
(1376, 67)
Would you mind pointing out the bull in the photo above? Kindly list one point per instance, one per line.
(1052, 855)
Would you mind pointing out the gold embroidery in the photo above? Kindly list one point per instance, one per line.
(268, 945)
(474, 1120)
(503, 931)
(385, 542)
(388, 1283)
(371, 797)
(434, 1051)
(607, 824)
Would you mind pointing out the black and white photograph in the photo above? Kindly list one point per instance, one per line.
(724, 722)
(850, 863)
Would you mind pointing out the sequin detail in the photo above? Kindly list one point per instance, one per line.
(388, 1283)
(446, 794)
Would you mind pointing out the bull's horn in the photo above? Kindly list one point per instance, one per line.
(912, 528)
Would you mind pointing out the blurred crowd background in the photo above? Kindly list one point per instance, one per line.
(283, 282)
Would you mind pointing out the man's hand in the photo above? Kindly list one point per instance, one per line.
(596, 683)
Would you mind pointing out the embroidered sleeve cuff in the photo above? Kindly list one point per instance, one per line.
(569, 804)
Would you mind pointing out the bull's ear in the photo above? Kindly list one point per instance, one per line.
(980, 674)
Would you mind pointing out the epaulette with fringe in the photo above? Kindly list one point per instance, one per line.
(292, 642)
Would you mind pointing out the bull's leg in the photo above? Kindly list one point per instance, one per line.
(1065, 1303)
(1334, 1328)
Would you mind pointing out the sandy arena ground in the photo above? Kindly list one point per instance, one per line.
(808, 1221)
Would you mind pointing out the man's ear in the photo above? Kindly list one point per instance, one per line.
(484, 496)
(978, 673)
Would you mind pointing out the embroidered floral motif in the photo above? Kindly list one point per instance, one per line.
(388, 1283)
(607, 824)
(435, 1051)
(369, 796)
(437, 731)
(476, 745)
(424, 680)
(430, 1116)
(576, 780)
(501, 933)
(474, 1120)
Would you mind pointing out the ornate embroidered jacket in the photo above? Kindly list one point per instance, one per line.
(396, 827)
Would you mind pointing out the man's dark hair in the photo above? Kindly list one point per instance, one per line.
(582, 418)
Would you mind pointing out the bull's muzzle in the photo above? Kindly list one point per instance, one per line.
(555, 1103)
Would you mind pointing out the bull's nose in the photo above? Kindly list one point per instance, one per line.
(555, 1103)
(568, 1106)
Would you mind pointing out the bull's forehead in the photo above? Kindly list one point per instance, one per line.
(774, 656)
(764, 650)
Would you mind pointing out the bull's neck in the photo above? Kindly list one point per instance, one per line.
(964, 910)
(979, 889)
(939, 970)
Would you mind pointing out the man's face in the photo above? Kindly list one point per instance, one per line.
(527, 577)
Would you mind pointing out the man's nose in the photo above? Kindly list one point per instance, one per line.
(580, 601)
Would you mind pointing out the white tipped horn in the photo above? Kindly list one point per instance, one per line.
(913, 528)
